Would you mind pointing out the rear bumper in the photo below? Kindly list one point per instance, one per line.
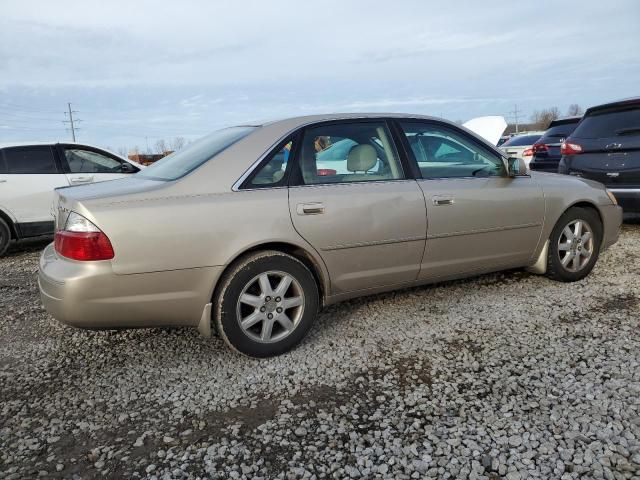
(612, 220)
(90, 295)
(628, 198)
(550, 166)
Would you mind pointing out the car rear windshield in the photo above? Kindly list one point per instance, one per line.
(609, 123)
(521, 140)
(563, 130)
(183, 161)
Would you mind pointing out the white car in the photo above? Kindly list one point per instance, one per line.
(521, 145)
(30, 172)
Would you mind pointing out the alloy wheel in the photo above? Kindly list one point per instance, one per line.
(576, 245)
(270, 306)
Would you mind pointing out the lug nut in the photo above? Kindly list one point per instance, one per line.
(267, 298)
(262, 309)
(278, 299)
(279, 310)
(270, 316)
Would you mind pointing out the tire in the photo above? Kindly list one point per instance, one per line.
(563, 247)
(262, 289)
(5, 237)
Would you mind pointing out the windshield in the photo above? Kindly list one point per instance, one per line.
(521, 140)
(180, 163)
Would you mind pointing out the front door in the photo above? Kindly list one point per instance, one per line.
(366, 220)
(478, 218)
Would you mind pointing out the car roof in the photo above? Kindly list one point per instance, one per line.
(565, 121)
(32, 144)
(307, 119)
(291, 124)
(625, 102)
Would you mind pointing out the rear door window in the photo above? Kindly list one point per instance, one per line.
(609, 123)
(29, 160)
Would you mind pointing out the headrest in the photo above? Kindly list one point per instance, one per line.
(362, 158)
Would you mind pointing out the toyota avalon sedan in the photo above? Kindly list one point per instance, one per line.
(244, 234)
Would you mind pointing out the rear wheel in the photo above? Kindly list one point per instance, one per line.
(5, 237)
(574, 245)
(266, 304)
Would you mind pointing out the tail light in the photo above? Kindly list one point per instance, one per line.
(326, 172)
(540, 148)
(527, 152)
(569, 148)
(81, 240)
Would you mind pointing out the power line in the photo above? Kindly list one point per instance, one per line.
(514, 113)
(71, 121)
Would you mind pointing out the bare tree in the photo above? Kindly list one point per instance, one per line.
(541, 119)
(123, 152)
(574, 110)
(161, 146)
(177, 143)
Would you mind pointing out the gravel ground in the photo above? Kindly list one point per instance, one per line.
(507, 375)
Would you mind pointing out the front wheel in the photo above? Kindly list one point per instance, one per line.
(266, 304)
(574, 245)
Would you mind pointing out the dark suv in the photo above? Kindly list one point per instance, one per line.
(546, 151)
(606, 147)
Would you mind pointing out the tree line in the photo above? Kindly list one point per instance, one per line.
(540, 119)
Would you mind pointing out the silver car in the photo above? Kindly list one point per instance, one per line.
(243, 233)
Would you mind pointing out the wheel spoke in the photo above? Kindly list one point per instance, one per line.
(586, 237)
(252, 300)
(265, 285)
(283, 286)
(568, 233)
(576, 262)
(567, 258)
(252, 319)
(267, 327)
(578, 231)
(291, 302)
(286, 322)
(564, 246)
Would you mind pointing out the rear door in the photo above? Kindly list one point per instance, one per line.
(610, 147)
(84, 164)
(369, 223)
(28, 176)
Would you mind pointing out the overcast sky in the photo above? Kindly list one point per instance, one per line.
(140, 71)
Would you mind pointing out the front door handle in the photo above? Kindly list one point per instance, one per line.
(3, 181)
(87, 179)
(314, 208)
(442, 200)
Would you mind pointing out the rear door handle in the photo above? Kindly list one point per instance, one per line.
(3, 181)
(443, 200)
(86, 179)
(314, 208)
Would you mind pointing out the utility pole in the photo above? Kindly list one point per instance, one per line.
(71, 121)
(514, 113)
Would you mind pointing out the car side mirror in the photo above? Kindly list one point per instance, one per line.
(128, 168)
(516, 166)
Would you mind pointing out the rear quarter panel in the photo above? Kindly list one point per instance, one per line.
(180, 231)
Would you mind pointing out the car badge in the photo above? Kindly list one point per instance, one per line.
(613, 174)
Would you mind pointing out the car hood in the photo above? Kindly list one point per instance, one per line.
(490, 128)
